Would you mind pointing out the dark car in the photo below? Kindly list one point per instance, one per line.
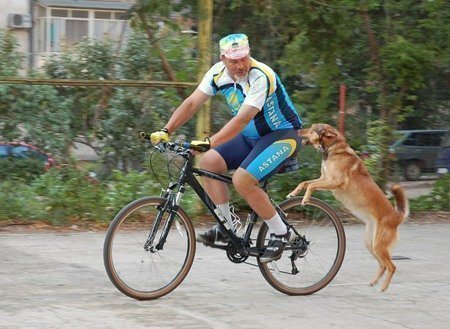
(19, 150)
(416, 151)
(442, 163)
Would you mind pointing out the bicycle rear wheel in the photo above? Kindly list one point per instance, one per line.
(139, 270)
(315, 252)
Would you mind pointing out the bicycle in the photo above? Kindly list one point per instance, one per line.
(150, 244)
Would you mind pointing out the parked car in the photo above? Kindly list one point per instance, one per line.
(19, 150)
(416, 151)
(442, 163)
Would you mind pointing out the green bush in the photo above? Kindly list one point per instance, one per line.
(25, 170)
(18, 201)
(67, 194)
(438, 199)
(126, 187)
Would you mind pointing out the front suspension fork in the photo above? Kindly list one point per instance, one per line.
(171, 206)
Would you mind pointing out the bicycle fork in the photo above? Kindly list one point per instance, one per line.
(171, 206)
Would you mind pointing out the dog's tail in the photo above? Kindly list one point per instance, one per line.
(401, 201)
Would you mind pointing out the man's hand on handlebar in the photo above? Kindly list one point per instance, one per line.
(159, 136)
(200, 145)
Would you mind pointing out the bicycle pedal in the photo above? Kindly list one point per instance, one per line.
(255, 252)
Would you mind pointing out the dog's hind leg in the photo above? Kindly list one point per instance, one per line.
(368, 237)
(384, 239)
(379, 274)
(368, 240)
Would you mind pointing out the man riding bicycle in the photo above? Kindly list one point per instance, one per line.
(256, 142)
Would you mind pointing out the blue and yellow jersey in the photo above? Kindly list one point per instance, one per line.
(261, 89)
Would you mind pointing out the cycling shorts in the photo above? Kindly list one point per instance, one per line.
(262, 157)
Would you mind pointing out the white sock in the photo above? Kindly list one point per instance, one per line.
(224, 209)
(276, 225)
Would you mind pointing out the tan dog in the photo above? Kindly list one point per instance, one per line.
(344, 173)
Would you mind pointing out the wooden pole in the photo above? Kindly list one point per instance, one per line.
(203, 124)
(205, 7)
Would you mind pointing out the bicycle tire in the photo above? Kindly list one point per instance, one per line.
(133, 274)
(308, 280)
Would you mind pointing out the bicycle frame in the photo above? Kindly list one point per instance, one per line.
(187, 176)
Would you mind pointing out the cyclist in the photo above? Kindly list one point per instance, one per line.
(256, 142)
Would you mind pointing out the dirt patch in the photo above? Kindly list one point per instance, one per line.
(18, 226)
(430, 217)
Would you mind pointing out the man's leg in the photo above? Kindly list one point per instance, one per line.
(217, 190)
(220, 160)
(248, 187)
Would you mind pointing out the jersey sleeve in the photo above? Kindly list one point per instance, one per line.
(207, 85)
(258, 90)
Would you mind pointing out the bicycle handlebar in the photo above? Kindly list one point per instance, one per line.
(177, 146)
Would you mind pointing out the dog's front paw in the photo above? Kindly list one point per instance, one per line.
(305, 201)
(296, 191)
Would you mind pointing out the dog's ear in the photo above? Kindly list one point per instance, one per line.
(328, 131)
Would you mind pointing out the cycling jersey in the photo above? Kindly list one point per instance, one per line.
(262, 89)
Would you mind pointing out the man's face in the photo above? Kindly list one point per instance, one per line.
(238, 68)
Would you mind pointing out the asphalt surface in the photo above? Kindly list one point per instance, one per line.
(55, 280)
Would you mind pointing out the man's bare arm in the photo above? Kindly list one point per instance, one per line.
(186, 110)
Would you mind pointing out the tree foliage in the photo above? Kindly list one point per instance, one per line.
(317, 45)
(36, 114)
(392, 56)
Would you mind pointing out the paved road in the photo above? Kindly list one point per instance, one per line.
(55, 280)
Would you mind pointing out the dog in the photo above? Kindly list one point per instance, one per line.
(345, 174)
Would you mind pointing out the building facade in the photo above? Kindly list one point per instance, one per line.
(43, 27)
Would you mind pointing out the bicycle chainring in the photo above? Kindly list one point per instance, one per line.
(234, 255)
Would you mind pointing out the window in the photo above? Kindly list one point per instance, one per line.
(61, 28)
(75, 31)
(80, 13)
(103, 15)
(20, 152)
(60, 13)
(411, 140)
(424, 139)
(25, 152)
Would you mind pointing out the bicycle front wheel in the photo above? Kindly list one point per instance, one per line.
(135, 264)
(315, 251)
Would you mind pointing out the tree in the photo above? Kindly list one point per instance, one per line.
(35, 114)
(114, 127)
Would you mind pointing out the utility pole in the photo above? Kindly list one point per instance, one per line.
(205, 8)
(203, 124)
